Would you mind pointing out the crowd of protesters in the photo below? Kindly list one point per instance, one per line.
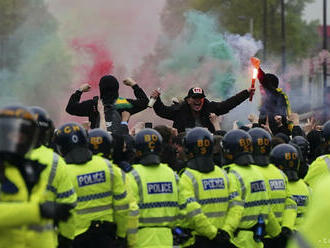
(192, 184)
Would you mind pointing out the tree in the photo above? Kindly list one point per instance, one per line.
(301, 36)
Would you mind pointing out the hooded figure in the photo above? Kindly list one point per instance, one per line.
(273, 102)
(109, 88)
(113, 104)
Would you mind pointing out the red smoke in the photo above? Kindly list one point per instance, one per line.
(99, 62)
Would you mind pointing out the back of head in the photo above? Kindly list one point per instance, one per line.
(100, 142)
(72, 143)
(148, 145)
(284, 137)
(45, 125)
(109, 87)
(270, 81)
(261, 145)
(198, 145)
(237, 147)
(18, 132)
(316, 141)
(165, 132)
(286, 158)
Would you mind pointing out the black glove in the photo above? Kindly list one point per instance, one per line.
(55, 211)
(281, 239)
(223, 239)
(63, 242)
(120, 242)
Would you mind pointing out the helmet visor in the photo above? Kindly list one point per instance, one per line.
(17, 136)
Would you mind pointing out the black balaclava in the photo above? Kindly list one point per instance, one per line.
(109, 87)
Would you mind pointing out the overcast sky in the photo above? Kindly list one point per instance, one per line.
(315, 11)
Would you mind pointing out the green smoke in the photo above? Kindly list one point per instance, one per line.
(201, 55)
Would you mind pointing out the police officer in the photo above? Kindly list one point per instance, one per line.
(285, 157)
(59, 185)
(282, 203)
(102, 204)
(154, 185)
(321, 166)
(208, 200)
(22, 185)
(257, 214)
(315, 229)
(101, 143)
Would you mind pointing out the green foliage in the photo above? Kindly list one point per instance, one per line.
(235, 15)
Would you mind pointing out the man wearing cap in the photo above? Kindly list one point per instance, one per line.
(195, 110)
(114, 106)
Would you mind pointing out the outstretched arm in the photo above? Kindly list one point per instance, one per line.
(220, 108)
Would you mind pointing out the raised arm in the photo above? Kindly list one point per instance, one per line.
(167, 112)
(75, 107)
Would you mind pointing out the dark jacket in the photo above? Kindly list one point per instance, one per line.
(89, 108)
(273, 102)
(183, 118)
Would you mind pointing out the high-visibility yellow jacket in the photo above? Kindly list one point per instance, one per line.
(59, 188)
(156, 191)
(252, 189)
(133, 216)
(315, 229)
(101, 194)
(282, 203)
(319, 168)
(17, 236)
(209, 201)
(14, 214)
(301, 193)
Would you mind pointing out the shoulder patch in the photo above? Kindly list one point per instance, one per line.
(160, 188)
(277, 184)
(213, 183)
(300, 199)
(258, 186)
(91, 178)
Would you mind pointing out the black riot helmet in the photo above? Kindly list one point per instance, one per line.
(286, 158)
(18, 131)
(148, 145)
(100, 141)
(198, 145)
(45, 125)
(72, 142)
(237, 147)
(303, 144)
(261, 145)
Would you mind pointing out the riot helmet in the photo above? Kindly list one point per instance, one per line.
(45, 125)
(286, 158)
(198, 145)
(237, 147)
(100, 141)
(148, 145)
(261, 142)
(72, 143)
(18, 131)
